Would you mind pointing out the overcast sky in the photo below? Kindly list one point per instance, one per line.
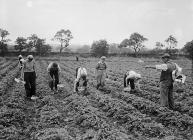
(89, 20)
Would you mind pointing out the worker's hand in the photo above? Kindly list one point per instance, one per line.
(36, 75)
(21, 78)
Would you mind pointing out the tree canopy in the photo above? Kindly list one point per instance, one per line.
(188, 48)
(99, 48)
(21, 43)
(3, 41)
(171, 42)
(64, 37)
(135, 41)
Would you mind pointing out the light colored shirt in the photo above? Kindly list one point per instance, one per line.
(163, 67)
(81, 71)
(101, 66)
(133, 75)
(28, 66)
(51, 66)
(166, 71)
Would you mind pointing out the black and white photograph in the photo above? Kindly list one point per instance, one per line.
(96, 69)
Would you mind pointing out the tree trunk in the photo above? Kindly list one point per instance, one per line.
(61, 48)
(135, 52)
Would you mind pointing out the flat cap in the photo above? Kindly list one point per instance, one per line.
(165, 55)
(30, 57)
(20, 56)
(103, 57)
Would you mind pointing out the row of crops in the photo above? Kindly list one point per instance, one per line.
(110, 114)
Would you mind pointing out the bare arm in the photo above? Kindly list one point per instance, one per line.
(22, 73)
(96, 69)
(150, 66)
(35, 68)
(49, 74)
(163, 67)
(22, 70)
(59, 70)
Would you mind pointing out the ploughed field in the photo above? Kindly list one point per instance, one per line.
(110, 114)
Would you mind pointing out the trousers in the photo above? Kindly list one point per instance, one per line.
(100, 77)
(55, 76)
(129, 81)
(166, 94)
(30, 83)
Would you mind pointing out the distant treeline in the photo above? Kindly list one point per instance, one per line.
(67, 54)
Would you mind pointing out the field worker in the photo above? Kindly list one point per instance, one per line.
(20, 58)
(166, 81)
(54, 70)
(29, 74)
(101, 72)
(130, 78)
(77, 58)
(81, 79)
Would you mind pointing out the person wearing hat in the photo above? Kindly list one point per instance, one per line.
(131, 78)
(81, 78)
(20, 58)
(166, 81)
(29, 75)
(54, 70)
(101, 72)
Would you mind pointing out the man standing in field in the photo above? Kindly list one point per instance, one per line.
(29, 76)
(101, 72)
(166, 81)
